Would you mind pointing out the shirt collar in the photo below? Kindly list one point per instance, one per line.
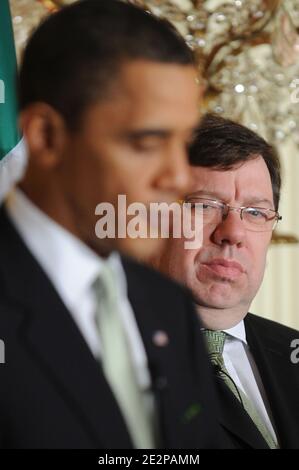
(69, 263)
(237, 332)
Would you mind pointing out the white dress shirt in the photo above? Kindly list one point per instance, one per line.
(243, 370)
(72, 267)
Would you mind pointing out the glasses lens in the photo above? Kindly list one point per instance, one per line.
(259, 219)
(212, 211)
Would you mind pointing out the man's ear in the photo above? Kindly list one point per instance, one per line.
(45, 132)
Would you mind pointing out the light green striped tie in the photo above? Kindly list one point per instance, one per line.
(215, 342)
(117, 362)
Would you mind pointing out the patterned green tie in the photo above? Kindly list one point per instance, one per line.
(215, 342)
(117, 362)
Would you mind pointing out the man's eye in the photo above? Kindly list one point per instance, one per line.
(146, 145)
(202, 206)
(257, 213)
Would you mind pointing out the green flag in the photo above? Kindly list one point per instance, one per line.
(12, 152)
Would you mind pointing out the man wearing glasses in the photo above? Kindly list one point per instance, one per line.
(236, 186)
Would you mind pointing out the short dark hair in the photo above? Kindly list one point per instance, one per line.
(75, 53)
(221, 144)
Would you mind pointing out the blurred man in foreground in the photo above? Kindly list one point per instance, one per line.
(100, 352)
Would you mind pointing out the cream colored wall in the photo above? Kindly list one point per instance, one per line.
(278, 298)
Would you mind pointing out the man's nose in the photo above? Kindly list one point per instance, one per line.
(176, 174)
(231, 230)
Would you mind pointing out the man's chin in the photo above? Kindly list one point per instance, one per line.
(217, 300)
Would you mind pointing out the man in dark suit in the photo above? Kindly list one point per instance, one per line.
(100, 352)
(236, 190)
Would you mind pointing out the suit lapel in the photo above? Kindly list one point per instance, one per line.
(272, 356)
(236, 421)
(53, 340)
(174, 394)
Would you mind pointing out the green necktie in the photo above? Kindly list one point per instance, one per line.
(215, 342)
(117, 362)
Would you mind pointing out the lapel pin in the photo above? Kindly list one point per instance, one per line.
(191, 412)
(160, 338)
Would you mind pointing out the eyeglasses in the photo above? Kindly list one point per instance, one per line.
(256, 219)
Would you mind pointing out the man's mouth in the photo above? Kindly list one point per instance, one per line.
(228, 269)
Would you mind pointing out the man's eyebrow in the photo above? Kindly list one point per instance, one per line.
(208, 194)
(143, 133)
(258, 200)
(157, 132)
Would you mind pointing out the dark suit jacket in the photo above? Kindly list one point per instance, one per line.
(269, 343)
(53, 393)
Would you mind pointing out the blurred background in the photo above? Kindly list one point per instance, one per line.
(247, 53)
